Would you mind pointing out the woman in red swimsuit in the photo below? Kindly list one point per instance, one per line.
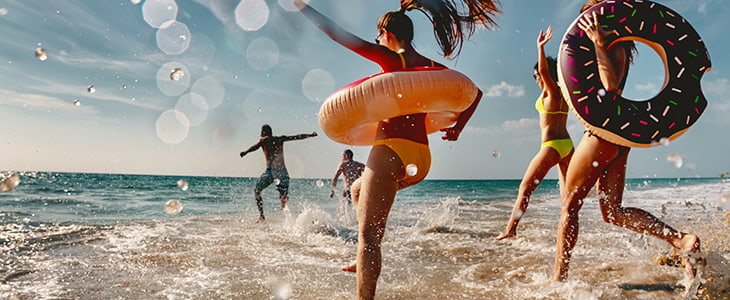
(400, 141)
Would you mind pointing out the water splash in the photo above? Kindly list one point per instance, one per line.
(41, 54)
(411, 170)
(176, 74)
(9, 183)
(173, 207)
(183, 184)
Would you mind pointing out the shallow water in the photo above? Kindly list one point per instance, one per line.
(93, 236)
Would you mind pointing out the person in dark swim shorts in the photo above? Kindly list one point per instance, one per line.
(273, 147)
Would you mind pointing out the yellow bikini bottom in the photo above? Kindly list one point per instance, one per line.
(416, 158)
(563, 146)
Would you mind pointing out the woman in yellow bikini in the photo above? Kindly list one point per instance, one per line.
(400, 141)
(557, 147)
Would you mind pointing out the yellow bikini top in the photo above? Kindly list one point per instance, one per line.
(539, 106)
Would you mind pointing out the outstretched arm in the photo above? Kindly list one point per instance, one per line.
(542, 64)
(360, 46)
(452, 133)
(251, 149)
(299, 136)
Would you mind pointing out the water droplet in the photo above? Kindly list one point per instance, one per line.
(91, 89)
(411, 170)
(41, 54)
(173, 207)
(176, 74)
(320, 183)
(259, 109)
(664, 141)
(536, 181)
(277, 181)
(400, 95)
(725, 202)
(183, 184)
(496, 153)
(9, 183)
(595, 164)
(676, 159)
(77, 102)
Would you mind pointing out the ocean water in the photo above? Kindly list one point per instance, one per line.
(107, 236)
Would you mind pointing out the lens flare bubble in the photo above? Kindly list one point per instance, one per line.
(496, 153)
(158, 13)
(262, 54)
(172, 127)
(288, 5)
(320, 183)
(183, 184)
(41, 54)
(9, 183)
(194, 107)
(173, 207)
(166, 76)
(210, 89)
(411, 170)
(317, 85)
(251, 15)
(173, 38)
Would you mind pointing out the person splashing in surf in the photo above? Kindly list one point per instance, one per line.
(604, 163)
(273, 147)
(557, 147)
(401, 139)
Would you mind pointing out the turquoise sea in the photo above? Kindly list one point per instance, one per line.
(108, 236)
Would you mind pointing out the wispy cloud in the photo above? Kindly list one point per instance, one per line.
(39, 102)
(505, 89)
(716, 93)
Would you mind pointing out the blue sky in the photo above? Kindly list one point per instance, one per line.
(246, 63)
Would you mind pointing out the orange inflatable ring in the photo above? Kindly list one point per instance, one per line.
(351, 114)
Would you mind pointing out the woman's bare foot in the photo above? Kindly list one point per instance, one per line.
(352, 267)
(505, 235)
(689, 245)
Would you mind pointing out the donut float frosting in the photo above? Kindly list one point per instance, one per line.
(626, 122)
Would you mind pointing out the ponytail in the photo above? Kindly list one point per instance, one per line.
(450, 27)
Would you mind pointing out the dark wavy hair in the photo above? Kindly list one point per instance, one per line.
(450, 26)
(552, 67)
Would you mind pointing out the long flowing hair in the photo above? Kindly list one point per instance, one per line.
(451, 26)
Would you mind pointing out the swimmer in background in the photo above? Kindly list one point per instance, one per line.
(273, 147)
(402, 140)
(557, 147)
(351, 171)
(599, 161)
